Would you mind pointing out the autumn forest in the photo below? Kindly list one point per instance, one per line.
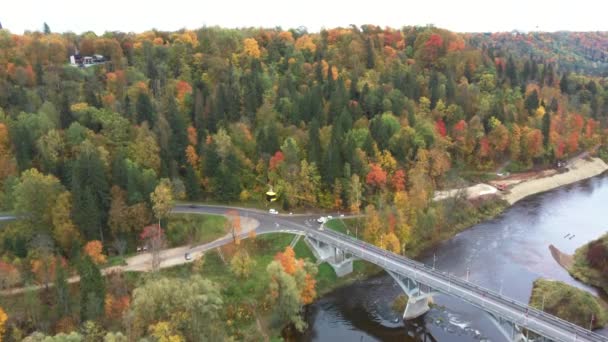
(357, 119)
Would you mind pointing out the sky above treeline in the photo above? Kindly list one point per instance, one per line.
(456, 15)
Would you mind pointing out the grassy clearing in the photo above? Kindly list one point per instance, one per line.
(584, 272)
(246, 298)
(195, 228)
(349, 226)
(116, 260)
(569, 303)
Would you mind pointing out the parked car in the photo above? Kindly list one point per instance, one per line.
(322, 219)
(187, 256)
(501, 187)
(273, 211)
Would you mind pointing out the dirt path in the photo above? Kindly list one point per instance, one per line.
(470, 192)
(143, 262)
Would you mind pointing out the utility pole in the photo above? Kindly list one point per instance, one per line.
(591, 323)
(543, 305)
(500, 291)
(468, 271)
(434, 260)
(449, 282)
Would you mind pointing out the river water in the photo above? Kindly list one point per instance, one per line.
(505, 254)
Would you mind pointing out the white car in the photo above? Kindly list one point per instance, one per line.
(322, 219)
(273, 211)
(187, 256)
(330, 217)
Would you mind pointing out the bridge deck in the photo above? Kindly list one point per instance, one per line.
(523, 315)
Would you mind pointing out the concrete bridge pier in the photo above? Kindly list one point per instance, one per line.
(418, 300)
(341, 262)
(511, 331)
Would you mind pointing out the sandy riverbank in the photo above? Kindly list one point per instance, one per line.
(471, 192)
(564, 260)
(579, 169)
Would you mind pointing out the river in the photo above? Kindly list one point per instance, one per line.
(505, 254)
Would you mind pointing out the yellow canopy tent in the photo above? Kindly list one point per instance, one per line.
(271, 196)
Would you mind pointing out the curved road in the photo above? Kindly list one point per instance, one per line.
(523, 315)
(489, 301)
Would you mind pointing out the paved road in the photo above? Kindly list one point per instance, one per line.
(520, 313)
(535, 320)
(260, 221)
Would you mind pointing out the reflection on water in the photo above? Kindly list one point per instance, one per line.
(505, 254)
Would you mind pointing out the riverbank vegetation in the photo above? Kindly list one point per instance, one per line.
(569, 303)
(591, 263)
(359, 119)
(441, 221)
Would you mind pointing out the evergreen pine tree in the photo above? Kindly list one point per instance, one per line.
(92, 290)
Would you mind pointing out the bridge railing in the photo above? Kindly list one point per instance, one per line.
(487, 294)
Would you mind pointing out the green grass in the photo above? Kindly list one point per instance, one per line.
(568, 302)
(195, 228)
(583, 271)
(350, 226)
(251, 292)
(116, 260)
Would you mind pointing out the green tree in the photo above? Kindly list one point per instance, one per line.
(532, 101)
(546, 128)
(162, 203)
(193, 305)
(90, 192)
(355, 192)
(145, 109)
(314, 142)
(62, 291)
(241, 264)
(35, 196)
(285, 294)
(162, 199)
(64, 230)
(92, 290)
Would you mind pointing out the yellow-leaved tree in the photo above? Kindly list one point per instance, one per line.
(251, 48)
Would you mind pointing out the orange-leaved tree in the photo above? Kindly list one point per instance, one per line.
(292, 285)
(3, 319)
(94, 249)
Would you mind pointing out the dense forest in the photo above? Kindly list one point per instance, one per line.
(344, 119)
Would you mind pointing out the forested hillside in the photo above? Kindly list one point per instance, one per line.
(345, 119)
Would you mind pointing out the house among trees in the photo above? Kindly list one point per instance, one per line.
(80, 61)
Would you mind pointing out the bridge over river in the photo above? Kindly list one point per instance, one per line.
(517, 321)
